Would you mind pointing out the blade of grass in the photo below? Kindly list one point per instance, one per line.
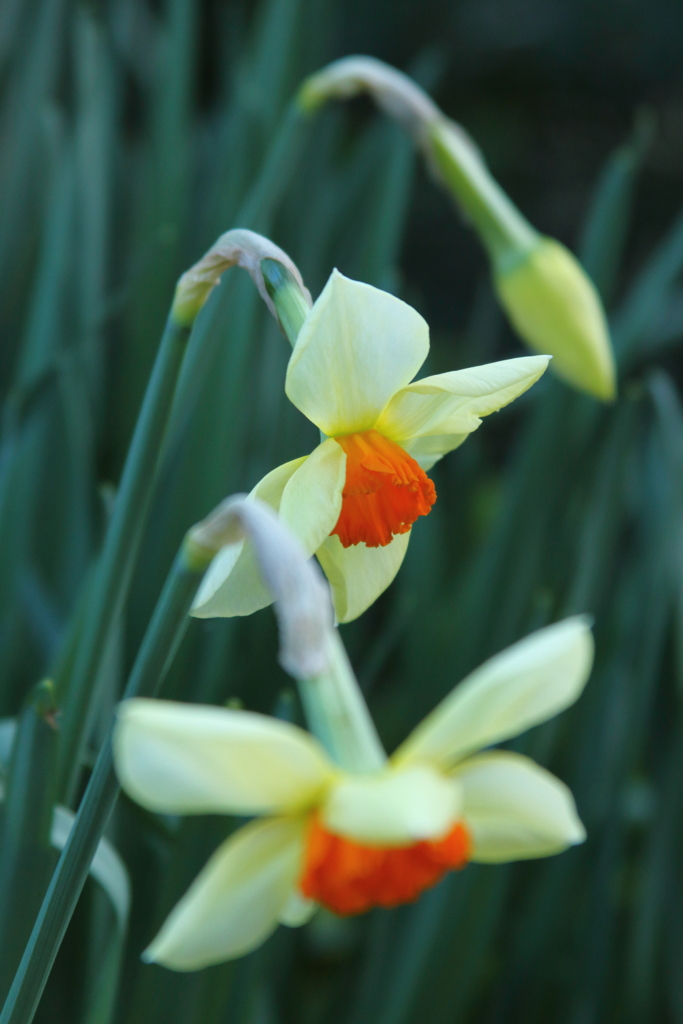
(26, 857)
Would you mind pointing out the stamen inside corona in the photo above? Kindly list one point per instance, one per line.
(348, 878)
(384, 493)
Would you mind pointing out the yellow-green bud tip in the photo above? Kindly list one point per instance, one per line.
(555, 308)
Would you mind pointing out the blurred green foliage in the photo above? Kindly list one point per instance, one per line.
(133, 133)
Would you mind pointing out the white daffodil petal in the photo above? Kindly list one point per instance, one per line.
(298, 910)
(520, 687)
(514, 809)
(359, 574)
(394, 807)
(312, 500)
(453, 403)
(193, 759)
(357, 347)
(235, 902)
(428, 450)
(232, 584)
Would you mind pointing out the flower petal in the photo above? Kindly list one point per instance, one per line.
(393, 807)
(193, 759)
(312, 499)
(359, 574)
(357, 347)
(232, 584)
(514, 809)
(235, 902)
(453, 403)
(520, 687)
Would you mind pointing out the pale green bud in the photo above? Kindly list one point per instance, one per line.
(555, 307)
(548, 297)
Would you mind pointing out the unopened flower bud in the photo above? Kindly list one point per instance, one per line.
(555, 307)
(548, 297)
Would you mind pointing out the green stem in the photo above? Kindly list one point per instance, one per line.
(115, 569)
(507, 235)
(290, 302)
(338, 716)
(159, 646)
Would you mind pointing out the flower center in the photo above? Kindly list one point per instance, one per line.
(349, 878)
(384, 493)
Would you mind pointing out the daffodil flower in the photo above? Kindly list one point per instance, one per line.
(352, 841)
(354, 499)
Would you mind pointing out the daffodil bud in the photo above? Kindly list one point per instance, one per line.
(555, 307)
(550, 300)
(241, 248)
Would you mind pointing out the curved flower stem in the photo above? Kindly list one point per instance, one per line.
(161, 641)
(291, 304)
(113, 575)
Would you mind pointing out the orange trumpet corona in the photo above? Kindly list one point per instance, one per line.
(349, 878)
(385, 490)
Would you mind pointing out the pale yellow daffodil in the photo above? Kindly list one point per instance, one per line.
(352, 841)
(353, 500)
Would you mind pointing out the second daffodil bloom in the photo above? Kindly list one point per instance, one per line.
(352, 841)
(354, 499)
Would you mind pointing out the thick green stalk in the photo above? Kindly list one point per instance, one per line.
(118, 556)
(338, 716)
(161, 641)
